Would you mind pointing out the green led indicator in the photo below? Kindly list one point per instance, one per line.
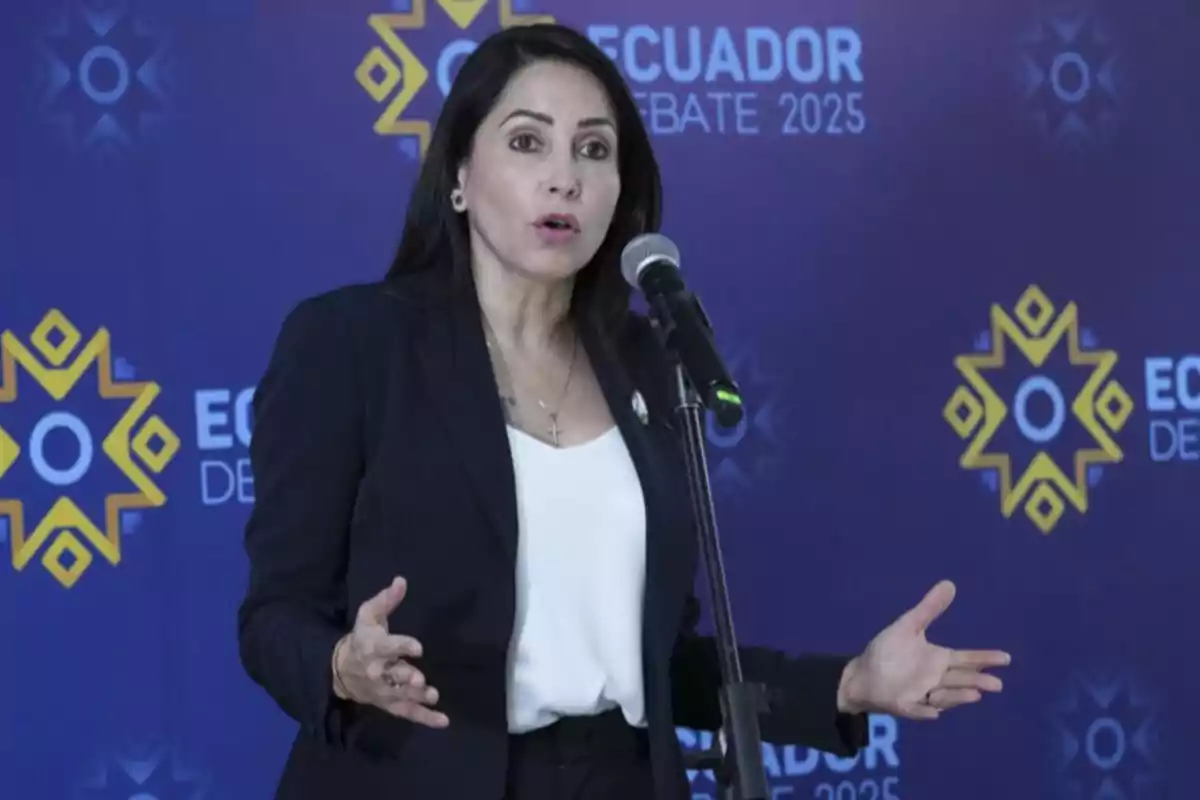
(729, 397)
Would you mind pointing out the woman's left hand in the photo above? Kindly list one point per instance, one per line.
(903, 674)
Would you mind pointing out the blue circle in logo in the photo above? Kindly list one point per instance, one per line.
(1110, 760)
(1084, 78)
(1032, 431)
(37, 448)
(103, 52)
(725, 437)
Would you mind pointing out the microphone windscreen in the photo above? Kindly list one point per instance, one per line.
(643, 251)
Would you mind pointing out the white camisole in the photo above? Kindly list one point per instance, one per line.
(581, 565)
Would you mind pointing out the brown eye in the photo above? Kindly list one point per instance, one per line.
(597, 149)
(523, 142)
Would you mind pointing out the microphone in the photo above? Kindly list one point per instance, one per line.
(650, 264)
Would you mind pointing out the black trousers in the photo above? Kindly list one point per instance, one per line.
(581, 758)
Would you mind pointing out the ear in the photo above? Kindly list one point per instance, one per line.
(461, 176)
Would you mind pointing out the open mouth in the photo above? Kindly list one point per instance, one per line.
(559, 222)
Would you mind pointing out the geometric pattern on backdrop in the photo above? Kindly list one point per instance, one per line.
(1034, 333)
(59, 448)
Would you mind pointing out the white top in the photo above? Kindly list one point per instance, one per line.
(581, 566)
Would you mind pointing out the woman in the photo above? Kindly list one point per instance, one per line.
(472, 423)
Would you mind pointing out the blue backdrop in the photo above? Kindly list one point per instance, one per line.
(952, 253)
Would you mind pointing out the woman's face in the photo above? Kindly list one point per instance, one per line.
(542, 182)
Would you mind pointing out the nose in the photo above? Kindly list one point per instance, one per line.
(570, 188)
(563, 179)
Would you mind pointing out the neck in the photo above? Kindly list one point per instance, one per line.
(523, 314)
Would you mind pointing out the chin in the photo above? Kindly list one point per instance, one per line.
(552, 268)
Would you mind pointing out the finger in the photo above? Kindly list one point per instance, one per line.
(979, 659)
(970, 679)
(392, 671)
(419, 714)
(402, 674)
(932, 606)
(407, 693)
(376, 610)
(922, 712)
(949, 698)
(393, 647)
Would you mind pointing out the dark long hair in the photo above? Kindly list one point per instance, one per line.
(436, 236)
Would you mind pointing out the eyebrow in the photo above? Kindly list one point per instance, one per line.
(589, 122)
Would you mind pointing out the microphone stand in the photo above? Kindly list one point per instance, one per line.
(738, 765)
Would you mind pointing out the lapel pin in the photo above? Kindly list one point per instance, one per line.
(639, 407)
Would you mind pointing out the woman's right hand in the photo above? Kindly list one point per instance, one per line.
(370, 666)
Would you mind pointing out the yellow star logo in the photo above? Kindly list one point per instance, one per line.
(975, 411)
(394, 65)
(58, 368)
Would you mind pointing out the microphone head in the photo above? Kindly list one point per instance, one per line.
(645, 250)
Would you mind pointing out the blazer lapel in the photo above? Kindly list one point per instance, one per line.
(619, 389)
(462, 391)
(452, 353)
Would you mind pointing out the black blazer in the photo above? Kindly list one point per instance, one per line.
(379, 449)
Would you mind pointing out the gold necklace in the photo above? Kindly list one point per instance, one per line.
(494, 347)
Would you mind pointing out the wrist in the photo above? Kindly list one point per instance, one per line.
(849, 700)
(339, 688)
